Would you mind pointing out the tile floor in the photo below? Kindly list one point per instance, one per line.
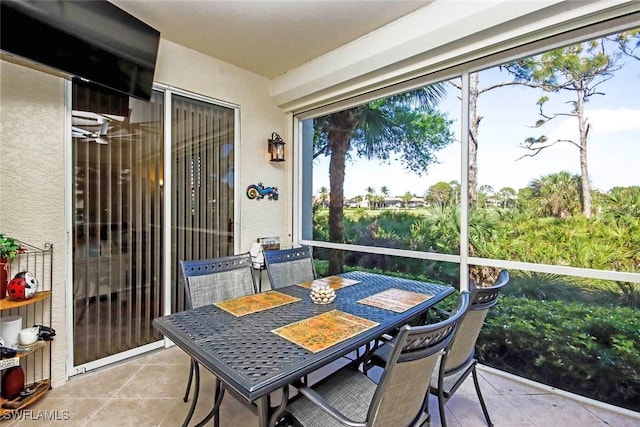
(147, 391)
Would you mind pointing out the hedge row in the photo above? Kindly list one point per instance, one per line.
(588, 350)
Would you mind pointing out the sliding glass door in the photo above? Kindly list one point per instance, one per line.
(118, 176)
(202, 200)
(118, 152)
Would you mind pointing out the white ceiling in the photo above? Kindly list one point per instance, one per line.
(268, 37)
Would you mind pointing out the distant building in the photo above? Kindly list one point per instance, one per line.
(393, 203)
(416, 202)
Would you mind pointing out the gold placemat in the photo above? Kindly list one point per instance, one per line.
(335, 282)
(393, 299)
(324, 330)
(257, 302)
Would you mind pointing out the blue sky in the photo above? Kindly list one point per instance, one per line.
(508, 113)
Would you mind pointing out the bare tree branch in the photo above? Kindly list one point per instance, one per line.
(536, 150)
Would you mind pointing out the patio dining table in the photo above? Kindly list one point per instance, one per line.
(251, 360)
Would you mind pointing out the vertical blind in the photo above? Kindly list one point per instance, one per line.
(202, 175)
(117, 153)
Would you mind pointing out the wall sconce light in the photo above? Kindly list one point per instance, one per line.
(276, 148)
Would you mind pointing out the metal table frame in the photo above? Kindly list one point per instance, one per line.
(252, 361)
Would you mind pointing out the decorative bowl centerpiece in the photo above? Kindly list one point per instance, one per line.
(322, 293)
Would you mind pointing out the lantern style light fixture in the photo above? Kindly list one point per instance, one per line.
(276, 148)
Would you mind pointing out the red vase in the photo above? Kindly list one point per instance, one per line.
(4, 277)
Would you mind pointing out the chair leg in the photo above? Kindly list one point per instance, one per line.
(484, 406)
(441, 402)
(186, 393)
(194, 401)
(215, 411)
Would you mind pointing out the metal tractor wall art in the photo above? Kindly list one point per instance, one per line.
(259, 191)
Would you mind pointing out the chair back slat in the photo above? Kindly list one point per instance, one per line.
(401, 394)
(463, 345)
(462, 348)
(399, 408)
(287, 267)
(217, 279)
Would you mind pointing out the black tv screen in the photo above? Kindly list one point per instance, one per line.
(93, 40)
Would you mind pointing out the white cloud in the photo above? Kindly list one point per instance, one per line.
(607, 121)
(601, 121)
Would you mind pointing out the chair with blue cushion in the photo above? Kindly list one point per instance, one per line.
(206, 282)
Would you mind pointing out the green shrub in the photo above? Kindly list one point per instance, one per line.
(555, 287)
(588, 350)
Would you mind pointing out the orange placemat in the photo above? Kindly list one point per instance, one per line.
(393, 299)
(335, 282)
(324, 330)
(257, 302)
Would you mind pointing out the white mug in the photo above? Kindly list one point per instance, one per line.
(29, 335)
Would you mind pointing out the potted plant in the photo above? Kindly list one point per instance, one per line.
(9, 248)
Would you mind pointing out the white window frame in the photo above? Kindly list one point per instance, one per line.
(464, 69)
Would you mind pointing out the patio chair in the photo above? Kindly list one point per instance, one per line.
(349, 397)
(206, 282)
(287, 267)
(458, 361)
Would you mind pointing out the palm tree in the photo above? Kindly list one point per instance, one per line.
(370, 197)
(556, 195)
(385, 194)
(324, 196)
(406, 198)
(404, 124)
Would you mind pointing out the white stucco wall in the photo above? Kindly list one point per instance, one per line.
(32, 118)
(32, 168)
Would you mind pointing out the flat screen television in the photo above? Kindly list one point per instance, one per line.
(92, 40)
